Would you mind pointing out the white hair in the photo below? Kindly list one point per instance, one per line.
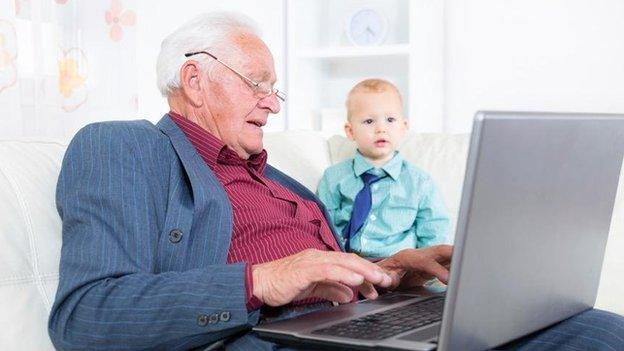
(201, 33)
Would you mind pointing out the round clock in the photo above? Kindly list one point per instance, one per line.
(366, 26)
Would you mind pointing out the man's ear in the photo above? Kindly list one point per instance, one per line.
(348, 130)
(190, 82)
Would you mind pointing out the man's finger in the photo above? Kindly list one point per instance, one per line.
(370, 271)
(418, 258)
(443, 253)
(333, 291)
(368, 290)
(335, 273)
(437, 270)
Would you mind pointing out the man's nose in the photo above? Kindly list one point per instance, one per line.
(270, 102)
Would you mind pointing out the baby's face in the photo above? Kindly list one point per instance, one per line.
(376, 123)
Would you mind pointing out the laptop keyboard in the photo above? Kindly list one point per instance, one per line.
(388, 323)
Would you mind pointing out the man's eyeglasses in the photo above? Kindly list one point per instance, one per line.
(260, 88)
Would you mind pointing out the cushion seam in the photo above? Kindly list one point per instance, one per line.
(27, 279)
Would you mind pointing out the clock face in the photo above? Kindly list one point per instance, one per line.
(367, 27)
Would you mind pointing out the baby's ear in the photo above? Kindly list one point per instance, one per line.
(348, 130)
(406, 123)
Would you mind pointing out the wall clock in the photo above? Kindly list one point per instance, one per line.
(366, 26)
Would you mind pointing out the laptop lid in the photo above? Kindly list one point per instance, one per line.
(533, 224)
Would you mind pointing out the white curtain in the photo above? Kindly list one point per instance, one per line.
(65, 63)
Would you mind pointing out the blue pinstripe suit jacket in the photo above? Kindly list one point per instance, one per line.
(125, 283)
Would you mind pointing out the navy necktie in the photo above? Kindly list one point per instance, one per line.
(361, 207)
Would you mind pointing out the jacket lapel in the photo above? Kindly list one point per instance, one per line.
(212, 213)
(296, 187)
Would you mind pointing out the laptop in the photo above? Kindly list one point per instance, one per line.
(532, 229)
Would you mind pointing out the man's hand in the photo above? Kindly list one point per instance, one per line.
(314, 273)
(413, 267)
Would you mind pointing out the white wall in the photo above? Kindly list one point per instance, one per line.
(561, 55)
(158, 18)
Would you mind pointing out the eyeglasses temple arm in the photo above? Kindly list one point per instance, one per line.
(225, 64)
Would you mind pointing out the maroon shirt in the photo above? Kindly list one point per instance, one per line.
(270, 221)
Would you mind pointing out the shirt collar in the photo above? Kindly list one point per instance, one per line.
(392, 167)
(229, 157)
(212, 149)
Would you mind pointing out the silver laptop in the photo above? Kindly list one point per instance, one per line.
(532, 228)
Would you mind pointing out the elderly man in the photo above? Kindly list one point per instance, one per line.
(179, 235)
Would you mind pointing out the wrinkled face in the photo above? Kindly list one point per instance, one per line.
(376, 123)
(238, 111)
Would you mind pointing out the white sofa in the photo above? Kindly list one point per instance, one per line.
(30, 228)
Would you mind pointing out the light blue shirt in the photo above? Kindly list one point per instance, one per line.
(407, 208)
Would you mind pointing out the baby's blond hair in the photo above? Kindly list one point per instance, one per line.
(372, 85)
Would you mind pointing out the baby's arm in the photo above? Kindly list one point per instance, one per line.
(330, 196)
(432, 220)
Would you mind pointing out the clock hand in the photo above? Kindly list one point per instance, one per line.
(367, 33)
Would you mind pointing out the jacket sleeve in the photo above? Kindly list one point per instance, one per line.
(110, 293)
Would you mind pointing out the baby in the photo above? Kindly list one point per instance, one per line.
(377, 200)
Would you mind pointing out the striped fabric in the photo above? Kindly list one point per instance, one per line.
(270, 221)
(146, 233)
(594, 330)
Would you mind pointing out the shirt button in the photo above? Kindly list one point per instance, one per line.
(224, 316)
(202, 320)
(175, 236)
(214, 318)
(372, 217)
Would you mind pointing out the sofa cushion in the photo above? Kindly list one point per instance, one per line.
(611, 290)
(31, 241)
(303, 155)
